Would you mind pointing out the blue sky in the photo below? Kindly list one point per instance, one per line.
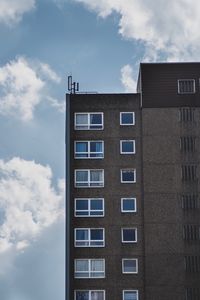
(99, 42)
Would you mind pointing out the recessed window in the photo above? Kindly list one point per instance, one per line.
(90, 295)
(129, 265)
(128, 175)
(89, 149)
(89, 207)
(128, 205)
(129, 235)
(89, 268)
(130, 295)
(127, 118)
(186, 86)
(89, 178)
(88, 121)
(127, 146)
(89, 237)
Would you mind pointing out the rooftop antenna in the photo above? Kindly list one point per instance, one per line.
(73, 86)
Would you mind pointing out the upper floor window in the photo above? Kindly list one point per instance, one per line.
(130, 295)
(89, 268)
(129, 265)
(90, 295)
(88, 121)
(127, 118)
(89, 178)
(186, 86)
(89, 237)
(129, 235)
(127, 146)
(89, 149)
(128, 176)
(128, 205)
(89, 207)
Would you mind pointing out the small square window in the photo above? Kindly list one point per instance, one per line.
(186, 86)
(127, 146)
(128, 205)
(130, 265)
(129, 235)
(130, 295)
(128, 176)
(127, 118)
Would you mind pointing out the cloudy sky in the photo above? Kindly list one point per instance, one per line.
(99, 42)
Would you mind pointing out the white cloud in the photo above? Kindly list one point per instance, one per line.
(23, 86)
(12, 11)
(168, 29)
(127, 79)
(28, 202)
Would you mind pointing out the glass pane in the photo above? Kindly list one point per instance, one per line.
(81, 147)
(128, 295)
(96, 234)
(128, 204)
(96, 204)
(127, 147)
(82, 265)
(81, 204)
(81, 176)
(82, 295)
(129, 235)
(128, 176)
(127, 118)
(96, 176)
(82, 234)
(81, 119)
(97, 265)
(129, 265)
(95, 119)
(99, 295)
(96, 147)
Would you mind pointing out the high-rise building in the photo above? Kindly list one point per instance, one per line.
(133, 178)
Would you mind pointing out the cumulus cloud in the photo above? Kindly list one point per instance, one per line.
(28, 202)
(169, 30)
(127, 79)
(12, 11)
(23, 86)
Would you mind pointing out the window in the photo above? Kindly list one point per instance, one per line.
(127, 118)
(89, 149)
(89, 178)
(128, 205)
(186, 86)
(130, 295)
(127, 146)
(128, 176)
(89, 268)
(90, 295)
(129, 235)
(129, 265)
(89, 237)
(88, 121)
(89, 207)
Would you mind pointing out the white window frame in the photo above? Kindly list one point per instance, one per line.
(136, 263)
(127, 112)
(90, 272)
(89, 210)
(89, 183)
(122, 236)
(135, 291)
(89, 241)
(128, 211)
(131, 170)
(194, 87)
(121, 150)
(90, 292)
(88, 125)
(88, 153)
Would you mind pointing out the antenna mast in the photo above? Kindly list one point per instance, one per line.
(73, 87)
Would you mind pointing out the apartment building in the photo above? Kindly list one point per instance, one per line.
(133, 217)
